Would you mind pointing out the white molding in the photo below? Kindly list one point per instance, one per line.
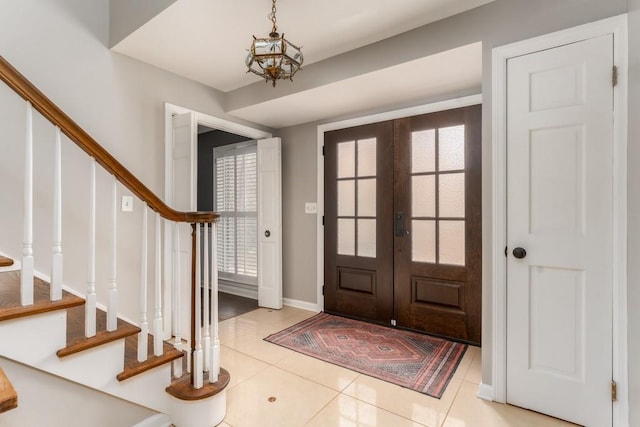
(157, 420)
(486, 392)
(301, 304)
(238, 289)
(374, 118)
(618, 27)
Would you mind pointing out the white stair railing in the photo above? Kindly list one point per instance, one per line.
(26, 277)
(214, 370)
(112, 307)
(176, 300)
(198, 366)
(158, 333)
(56, 262)
(90, 304)
(206, 338)
(143, 335)
(203, 339)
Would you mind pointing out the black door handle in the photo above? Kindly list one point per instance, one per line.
(399, 221)
(267, 233)
(519, 253)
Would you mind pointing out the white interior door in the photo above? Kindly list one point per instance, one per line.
(269, 224)
(184, 198)
(559, 179)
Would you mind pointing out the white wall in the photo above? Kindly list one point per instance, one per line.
(61, 46)
(47, 400)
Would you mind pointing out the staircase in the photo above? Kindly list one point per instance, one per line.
(56, 330)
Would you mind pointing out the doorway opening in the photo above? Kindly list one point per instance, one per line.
(182, 127)
(227, 184)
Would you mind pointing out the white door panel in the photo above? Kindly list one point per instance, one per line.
(269, 224)
(559, 297)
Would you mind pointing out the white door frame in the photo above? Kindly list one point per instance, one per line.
(211, 122)
(364, 120)
(618, 27)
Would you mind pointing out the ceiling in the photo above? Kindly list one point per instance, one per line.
(207, 41)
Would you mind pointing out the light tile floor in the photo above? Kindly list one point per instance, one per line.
(275, 387)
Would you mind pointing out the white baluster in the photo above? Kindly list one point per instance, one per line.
(198, 377)
(206, 339)
(177, 343)
(158, 335)
(26, 280)
(143, 335)
(215, 341)
(56, 264)
(90, 304)
(112, 307)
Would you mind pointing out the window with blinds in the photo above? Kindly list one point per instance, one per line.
(235, 199)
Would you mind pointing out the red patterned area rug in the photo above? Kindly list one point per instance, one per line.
(420, 362)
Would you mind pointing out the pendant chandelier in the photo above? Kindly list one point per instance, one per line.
(274, 57)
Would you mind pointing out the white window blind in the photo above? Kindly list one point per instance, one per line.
(235, 199)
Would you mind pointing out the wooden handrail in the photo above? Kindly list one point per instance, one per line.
(55, 115)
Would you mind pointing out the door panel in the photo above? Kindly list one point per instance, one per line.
(559, 171)
(358, 234)
(402, 233)
(269, 223)
(437, 267)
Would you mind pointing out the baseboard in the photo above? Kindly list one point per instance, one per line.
(158, 420)
(301, 304)
(239, 289)
(485, 392)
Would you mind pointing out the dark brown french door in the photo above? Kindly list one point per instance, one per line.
(403, 223)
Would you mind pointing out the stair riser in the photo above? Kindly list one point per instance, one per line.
(146, 389)
(34, 340)
(96, 367)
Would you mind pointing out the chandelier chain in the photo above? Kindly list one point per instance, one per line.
(272, 15)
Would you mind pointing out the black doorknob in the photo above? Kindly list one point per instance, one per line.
(267, 233)
(519, 253)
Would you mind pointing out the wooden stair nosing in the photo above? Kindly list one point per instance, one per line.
(10, 307)
(5, 262)
(131, 365)
(182, 389)
(8, 395)
(76, 340)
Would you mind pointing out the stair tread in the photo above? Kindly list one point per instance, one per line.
(76, 340)
(10, 307)
(182, 389)
(5, 262)
(8, 395)
(131, 365)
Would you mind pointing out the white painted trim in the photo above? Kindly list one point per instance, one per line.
(485, 392)
(157, 420)
(301, 304)
(238, 289)
(374, 118)
(618, 27)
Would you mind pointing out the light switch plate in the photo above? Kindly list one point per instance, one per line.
(310, 208)
(127, 203)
